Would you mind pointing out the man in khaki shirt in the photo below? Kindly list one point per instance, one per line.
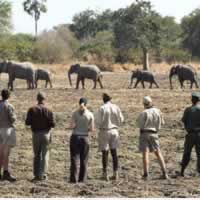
(108, 119)
(7, 134)
(149, 121)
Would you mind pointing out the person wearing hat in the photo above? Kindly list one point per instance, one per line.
(41, 120)
(149, 122)
(191, 120)
(82, 122)
(108, 120)
(7, 134)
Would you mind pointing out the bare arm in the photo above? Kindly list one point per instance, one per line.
(11, 114)
(92, 127)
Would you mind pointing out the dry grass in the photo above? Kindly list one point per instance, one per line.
(63, 101)
(58, 69)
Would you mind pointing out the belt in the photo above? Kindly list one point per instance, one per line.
(79, 135)
(147, 131)
(107, 129)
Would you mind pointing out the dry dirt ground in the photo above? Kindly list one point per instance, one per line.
(63, 100)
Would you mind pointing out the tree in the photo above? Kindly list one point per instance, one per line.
(138, 26)
(88, 23)
(191, 32)
(35, 8)
(84, 25)
(5, 16)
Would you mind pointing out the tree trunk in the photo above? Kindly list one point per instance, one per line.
(36, 27)
(146, 60)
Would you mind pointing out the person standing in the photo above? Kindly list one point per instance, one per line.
(7, 134)
(108, 120)
(149, 122)
(82, 123)
(41, 120)
(191, 120)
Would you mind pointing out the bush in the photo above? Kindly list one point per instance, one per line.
(55, 46)
(98, 50)
(17, 47)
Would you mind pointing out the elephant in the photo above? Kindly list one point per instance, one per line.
(142, 76)
(43, 74)
(83, 72)
(18, 70)
(184, 72)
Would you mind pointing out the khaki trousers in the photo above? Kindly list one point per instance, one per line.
(41, 141)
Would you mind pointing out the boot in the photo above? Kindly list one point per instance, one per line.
(105, 176)
(8, 177)
(115, 175)
(164, 176)
(145, 176)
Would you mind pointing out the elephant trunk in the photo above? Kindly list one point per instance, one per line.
(69, 76)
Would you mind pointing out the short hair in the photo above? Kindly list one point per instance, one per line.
(5, 94)
(41, 96)
(83, 101)
(106, 97)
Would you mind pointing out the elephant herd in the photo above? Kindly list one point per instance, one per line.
(27, 72)
(183, 72)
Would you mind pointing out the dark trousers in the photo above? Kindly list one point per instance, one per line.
(79, 149)
(191, 140)
(114, 160)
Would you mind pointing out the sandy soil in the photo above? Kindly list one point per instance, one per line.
(63, 100)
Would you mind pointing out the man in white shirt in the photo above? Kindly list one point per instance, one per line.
(108, 119)
(149, 121)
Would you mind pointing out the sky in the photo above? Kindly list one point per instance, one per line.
(62, 11)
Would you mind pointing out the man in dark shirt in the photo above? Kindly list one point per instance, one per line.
(41, 120)
(191, 120)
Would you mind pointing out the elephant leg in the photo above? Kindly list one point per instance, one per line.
(95, 84)
(46, 83)
(143, 84)
(27, 83)
(156, 84)
(83, 83)
(181, 83)
(136, 83)
(36, 83)
(100, 83)
(131, 83)
(50, 83)
(196, 84)
(10, 83)
(150, 86)
(191, 84)
(77, 82)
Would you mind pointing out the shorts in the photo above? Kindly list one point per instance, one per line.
(108, 139)
(148, 141)
(8, 136)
